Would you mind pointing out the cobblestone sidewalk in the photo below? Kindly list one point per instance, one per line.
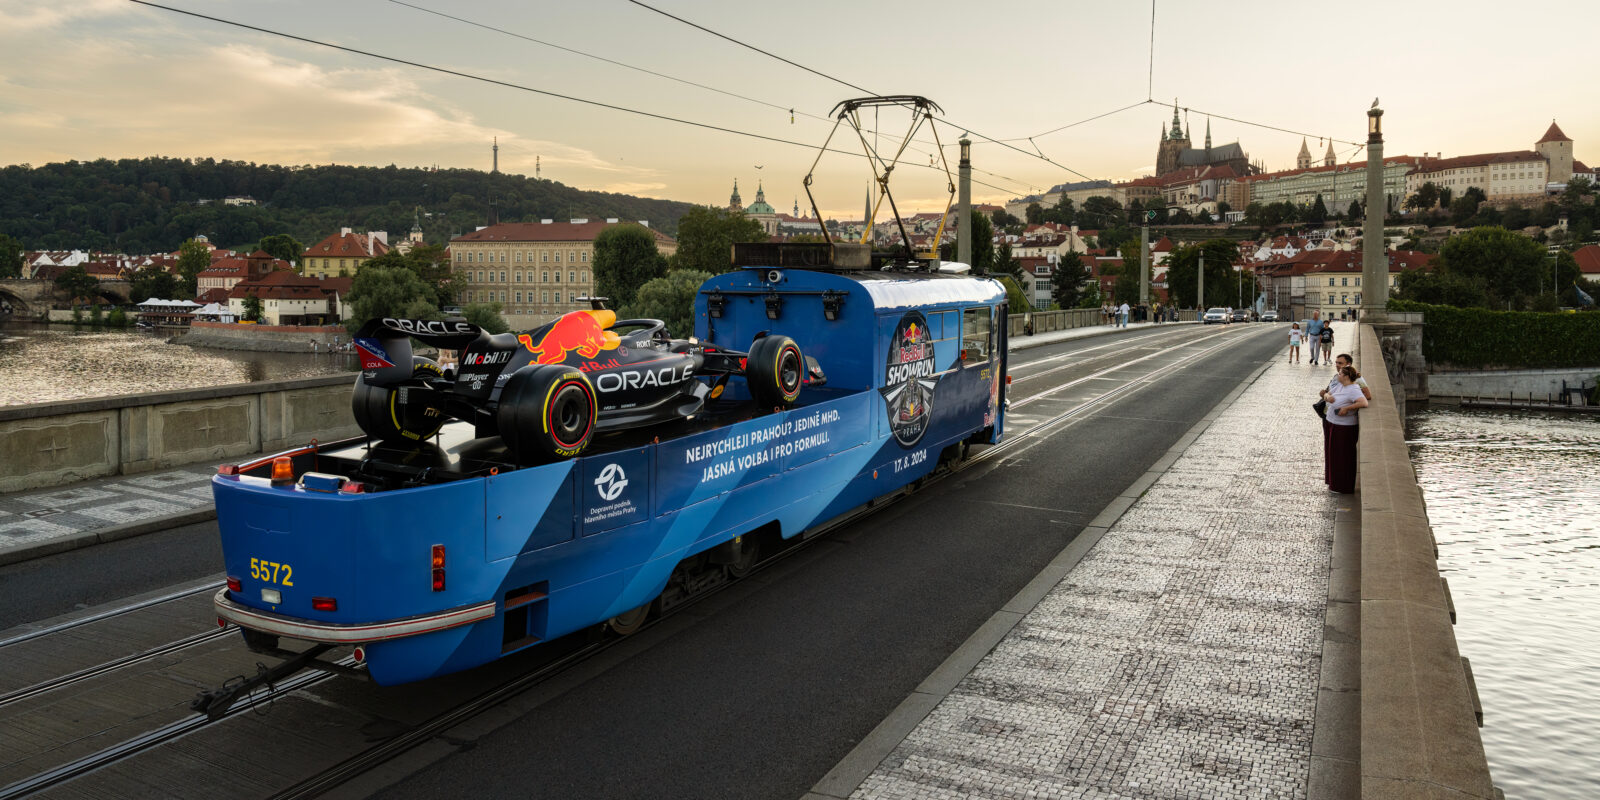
(36, 516)
(1180, 658)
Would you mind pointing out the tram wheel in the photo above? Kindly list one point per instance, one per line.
(746, 552)
(629, 622)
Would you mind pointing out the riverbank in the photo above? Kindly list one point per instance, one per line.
(265, 338)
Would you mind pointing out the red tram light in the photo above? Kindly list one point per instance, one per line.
(234, 584)
(438, 567)
(438, 580)
(324, 604)
(228, 469)
(283, 470)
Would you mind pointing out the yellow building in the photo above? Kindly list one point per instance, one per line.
(341, 254)
(536, 271)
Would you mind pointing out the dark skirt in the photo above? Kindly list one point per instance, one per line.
(1341, 458)
(1326, 474)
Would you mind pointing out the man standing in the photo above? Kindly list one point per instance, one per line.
(1122, 313)
(1314, 334)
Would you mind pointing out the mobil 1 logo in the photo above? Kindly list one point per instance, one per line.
(909, 379)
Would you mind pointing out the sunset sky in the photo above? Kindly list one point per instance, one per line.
(87, 79)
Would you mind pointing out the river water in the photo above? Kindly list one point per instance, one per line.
(1514, 499)
(41, 363)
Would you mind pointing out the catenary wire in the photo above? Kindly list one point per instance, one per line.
(506, 84)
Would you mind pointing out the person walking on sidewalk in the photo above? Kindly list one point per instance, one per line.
(1314, 334)
(1122, 314)
(1342, 431)
(1326, 344)
(1294, 343)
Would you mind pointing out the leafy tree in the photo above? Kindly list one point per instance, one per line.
(429, 264)
(706, 237)
(1426, 197)
(1353, 213)
(1318, 213)
(1006, 263)
(1101, 211)
(76, 282)
(1577, 188)
(625, 258)
(117, 318)
(1181, 217)
(670, 299)
(1065, 213)
(193, 258)
(252, 307)
(389, 292)
(1224, 209)
(1033, 214)
(1506, 265)
(284, 246)
(1462, 209)
(10, 257)
(983, 250)
(1446, 196)
(1253, 213)
(1016, 299)
(1440, 288)
(1066, 284)
(1183, 267)
(1005, 221)
(152, 281)
(486, 316)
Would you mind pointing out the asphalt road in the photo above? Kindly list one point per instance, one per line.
(762, 697)
(759, 691)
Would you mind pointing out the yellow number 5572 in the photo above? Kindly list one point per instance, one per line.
(271, 572)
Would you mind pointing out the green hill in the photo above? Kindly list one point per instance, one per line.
(150, 205)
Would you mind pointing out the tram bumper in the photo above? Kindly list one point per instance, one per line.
(350, 633)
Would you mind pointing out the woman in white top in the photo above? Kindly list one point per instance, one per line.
(1294, 343)
(1345, 398)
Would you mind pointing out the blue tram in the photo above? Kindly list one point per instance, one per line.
(444, 553)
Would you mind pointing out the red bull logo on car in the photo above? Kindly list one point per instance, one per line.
(583, 332)
(909, 380)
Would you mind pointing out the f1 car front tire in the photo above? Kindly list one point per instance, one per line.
(547, 411)
(775, 371)
(379, 411)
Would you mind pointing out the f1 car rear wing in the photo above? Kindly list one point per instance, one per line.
(384, 344)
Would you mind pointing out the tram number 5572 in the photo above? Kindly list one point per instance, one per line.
(269, 571)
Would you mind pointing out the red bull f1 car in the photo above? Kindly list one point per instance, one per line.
(547, 392)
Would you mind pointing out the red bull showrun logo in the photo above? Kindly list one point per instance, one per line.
(583, 332)
(909, 380)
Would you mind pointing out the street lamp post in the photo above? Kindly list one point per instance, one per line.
(964, 215)
(1374, 262)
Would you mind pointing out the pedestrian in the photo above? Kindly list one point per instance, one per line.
(1314, 334)
(1294, 343)
(1326, 340)
(1158, 312)
(1343, 361)
(1344, 399)
(1123, 313)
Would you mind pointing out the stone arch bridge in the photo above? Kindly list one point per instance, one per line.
(27, 297)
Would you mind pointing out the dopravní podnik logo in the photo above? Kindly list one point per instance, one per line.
(909, 379)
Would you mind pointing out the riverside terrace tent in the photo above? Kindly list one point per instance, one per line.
(167, 312)
(216, 312)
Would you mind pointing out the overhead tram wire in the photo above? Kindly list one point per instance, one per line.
(504, 84)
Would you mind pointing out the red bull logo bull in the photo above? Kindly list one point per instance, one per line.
(583, 332)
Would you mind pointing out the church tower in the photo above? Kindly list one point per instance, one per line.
(1208, 133)
(1172, 145)
(734, 203)
(1556, 149)
(1303, 161)
(1330, 159)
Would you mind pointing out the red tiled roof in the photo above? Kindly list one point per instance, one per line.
(349, 245)
(1352, 166)
(1554, 134)
(545, 232)
(1588, 258)
(1476, 160)
(210, 296)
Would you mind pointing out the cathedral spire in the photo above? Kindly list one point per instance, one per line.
(1208, 133)
(1177, 125)
(1303, 161)
(734, 203)
(1330, 159)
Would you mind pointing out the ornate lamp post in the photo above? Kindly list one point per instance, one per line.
(1374, 261)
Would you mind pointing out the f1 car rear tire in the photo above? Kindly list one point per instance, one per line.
(379, 411)
(775, 371)
(547, 411)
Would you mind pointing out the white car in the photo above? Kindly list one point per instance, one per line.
(1269, 316)
(1217, 315)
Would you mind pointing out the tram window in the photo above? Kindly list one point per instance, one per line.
(977, 333)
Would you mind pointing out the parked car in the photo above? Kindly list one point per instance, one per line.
(1269, 316)
(1218, 315)
(1241, 315)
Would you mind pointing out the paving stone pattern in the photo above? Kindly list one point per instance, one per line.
(28, 517)
(1180, 658)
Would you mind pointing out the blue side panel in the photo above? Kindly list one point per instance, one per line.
(516, 497)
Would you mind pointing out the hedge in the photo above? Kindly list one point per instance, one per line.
(1480, 338)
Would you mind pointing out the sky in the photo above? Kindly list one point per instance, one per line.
(88, 79)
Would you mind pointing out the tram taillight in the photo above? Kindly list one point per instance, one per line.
(234, 584)
(324, 604)
(438, 567)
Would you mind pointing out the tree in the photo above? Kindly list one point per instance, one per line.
(1354, 212)
(1223, 209)
(429, 264)
(283, 246)
(1181, 217)
(625, 258)
(193, 258)
(1065, 214)
(1446, 195)
(388, 292)
(252, 307)
(1005, 221)
(486, 316)
(1426, 197)
(706, 237)
(1101, 211)
(1253, 213)
(1033, 214)
(1318, 213)
(669, 299)
(1007, 264)
(1066, 284)
(152, 281)
(1440, 288)
(76, 282)
(1506, 265)
(10, 257)
(1577, 188)
(1222, 284)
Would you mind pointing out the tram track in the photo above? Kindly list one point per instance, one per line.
(454, 716)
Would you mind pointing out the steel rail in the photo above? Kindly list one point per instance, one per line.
(109, 613)
(116, 663)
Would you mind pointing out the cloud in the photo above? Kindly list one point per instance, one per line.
(640, 189)
(31, 18)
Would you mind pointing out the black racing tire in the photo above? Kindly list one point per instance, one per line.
(379, 412)
(775, 371)
(547, 411)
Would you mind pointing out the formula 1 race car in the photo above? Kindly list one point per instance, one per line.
(548, 391)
